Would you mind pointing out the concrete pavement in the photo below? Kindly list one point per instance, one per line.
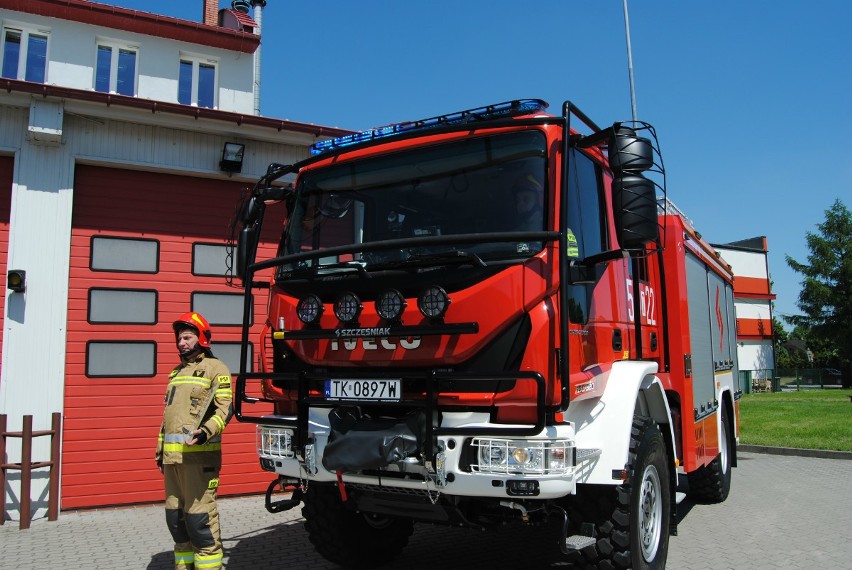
(783, 512)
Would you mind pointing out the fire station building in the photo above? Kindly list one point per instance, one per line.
(749, 259)
(126, 139)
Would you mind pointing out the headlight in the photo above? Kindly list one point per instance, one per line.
(274, 442)
(525, 457)
(348, 307)
(433, 303)
(492, 456)
(309, 309)
(390, 305)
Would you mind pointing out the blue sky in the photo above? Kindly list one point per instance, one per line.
(750, 99)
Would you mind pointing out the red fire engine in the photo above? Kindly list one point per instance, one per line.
(483, 318)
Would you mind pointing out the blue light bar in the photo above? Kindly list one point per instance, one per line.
(490, 112)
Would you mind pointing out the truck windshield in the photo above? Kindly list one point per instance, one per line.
(487, 184)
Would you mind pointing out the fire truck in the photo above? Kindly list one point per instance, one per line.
(490, 317)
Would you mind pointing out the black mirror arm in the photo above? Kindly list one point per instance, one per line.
(605, 256)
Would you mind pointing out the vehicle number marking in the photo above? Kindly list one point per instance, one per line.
(354, 389)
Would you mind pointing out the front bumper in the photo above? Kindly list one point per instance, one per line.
(543, 466)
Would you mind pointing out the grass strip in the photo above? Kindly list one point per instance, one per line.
(807, 419)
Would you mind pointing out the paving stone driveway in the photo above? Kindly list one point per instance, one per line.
(783, 512)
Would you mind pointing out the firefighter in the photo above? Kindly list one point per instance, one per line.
(189, 449)
(528, 196)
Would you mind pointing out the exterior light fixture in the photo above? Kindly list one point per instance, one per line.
(433, 303)
(390, 305)
(232, 157)
(16, 280)
(348, 307)
(310, 309)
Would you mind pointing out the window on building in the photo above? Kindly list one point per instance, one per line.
(24, 55)
(122, 306)
(120, 359)
(185, 83)
(102, 68)
(206, 85)
(229, 353)
(197, 83)
(220, 308)
(11, 53)
(115, 69)
(112, 253)
(210, 259)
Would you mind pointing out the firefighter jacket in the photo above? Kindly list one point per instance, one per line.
(198, 396)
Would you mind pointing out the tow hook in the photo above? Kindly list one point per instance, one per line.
(286, 486)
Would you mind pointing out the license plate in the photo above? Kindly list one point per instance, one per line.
(376, 390)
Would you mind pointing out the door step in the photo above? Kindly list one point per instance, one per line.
(577, 542)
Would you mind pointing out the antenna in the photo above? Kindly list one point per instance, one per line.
(258, 5)
(630, 62)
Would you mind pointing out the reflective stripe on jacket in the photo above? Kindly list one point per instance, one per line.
(198, 396)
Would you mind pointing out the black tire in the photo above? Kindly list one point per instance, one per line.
(632, 521)
(712, 483)
(347, 537)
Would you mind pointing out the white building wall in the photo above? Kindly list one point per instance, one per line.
(746, 264)
(72, 53)
(34, 323)
(756, 356)
(34, 339)
(752, 309)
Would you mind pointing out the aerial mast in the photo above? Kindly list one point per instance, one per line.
(630, 62)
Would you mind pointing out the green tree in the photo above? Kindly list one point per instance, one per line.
(826, 296)
(784, 356)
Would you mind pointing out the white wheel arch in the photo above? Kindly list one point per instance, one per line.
(604, 423)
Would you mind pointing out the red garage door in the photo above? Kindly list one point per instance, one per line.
(145, 248)
(6, 166)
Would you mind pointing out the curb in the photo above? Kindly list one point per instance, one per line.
(820, 453)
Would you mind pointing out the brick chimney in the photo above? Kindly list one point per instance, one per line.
(211, 12)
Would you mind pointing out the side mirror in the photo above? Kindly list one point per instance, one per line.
(276, 167)
(629, 152)
(634, 197)
(250, 211)
(634, 203)
(276, 193)
(246, 250)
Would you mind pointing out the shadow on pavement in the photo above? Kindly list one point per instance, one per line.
(162, 561)
(284, 545)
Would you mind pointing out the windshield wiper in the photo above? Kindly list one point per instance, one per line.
(325, 267)
(437, 258)
(357, 265)
(455, 256)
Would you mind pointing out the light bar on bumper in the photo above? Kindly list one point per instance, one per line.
(522, 457)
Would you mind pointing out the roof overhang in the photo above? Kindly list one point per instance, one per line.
(173, 115)
(139, 22)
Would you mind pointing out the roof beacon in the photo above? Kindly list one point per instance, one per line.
(499, 111)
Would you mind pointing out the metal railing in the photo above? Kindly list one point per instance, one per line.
(27, 465)
(808, 378)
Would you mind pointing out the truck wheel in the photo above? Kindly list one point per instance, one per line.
(631, 522)
(347, 537)
(712, 483)
(648, 495)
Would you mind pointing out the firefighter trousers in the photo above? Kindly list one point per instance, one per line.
(191, 515)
